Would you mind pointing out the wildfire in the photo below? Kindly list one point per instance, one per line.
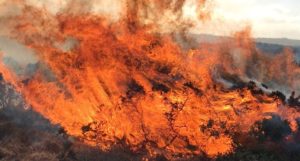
(124, 83)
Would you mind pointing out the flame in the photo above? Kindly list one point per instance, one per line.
(124, 83)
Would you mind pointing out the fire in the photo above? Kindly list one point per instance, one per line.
(124, 83)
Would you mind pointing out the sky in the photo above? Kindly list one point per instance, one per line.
(268, 18)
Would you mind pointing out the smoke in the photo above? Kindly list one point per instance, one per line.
(240, 58)
(128, 82)
(12, 49)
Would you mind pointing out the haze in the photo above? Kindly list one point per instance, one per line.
(268, 18)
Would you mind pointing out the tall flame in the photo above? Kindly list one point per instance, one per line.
(125, 82)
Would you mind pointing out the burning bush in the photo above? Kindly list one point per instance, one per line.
(126, 84)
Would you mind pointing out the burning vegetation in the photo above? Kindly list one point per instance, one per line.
(127, 84)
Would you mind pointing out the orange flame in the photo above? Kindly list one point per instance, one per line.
(126, 83)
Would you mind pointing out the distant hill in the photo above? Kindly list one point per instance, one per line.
(275, 41)
(280, 41)
(267, 45)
